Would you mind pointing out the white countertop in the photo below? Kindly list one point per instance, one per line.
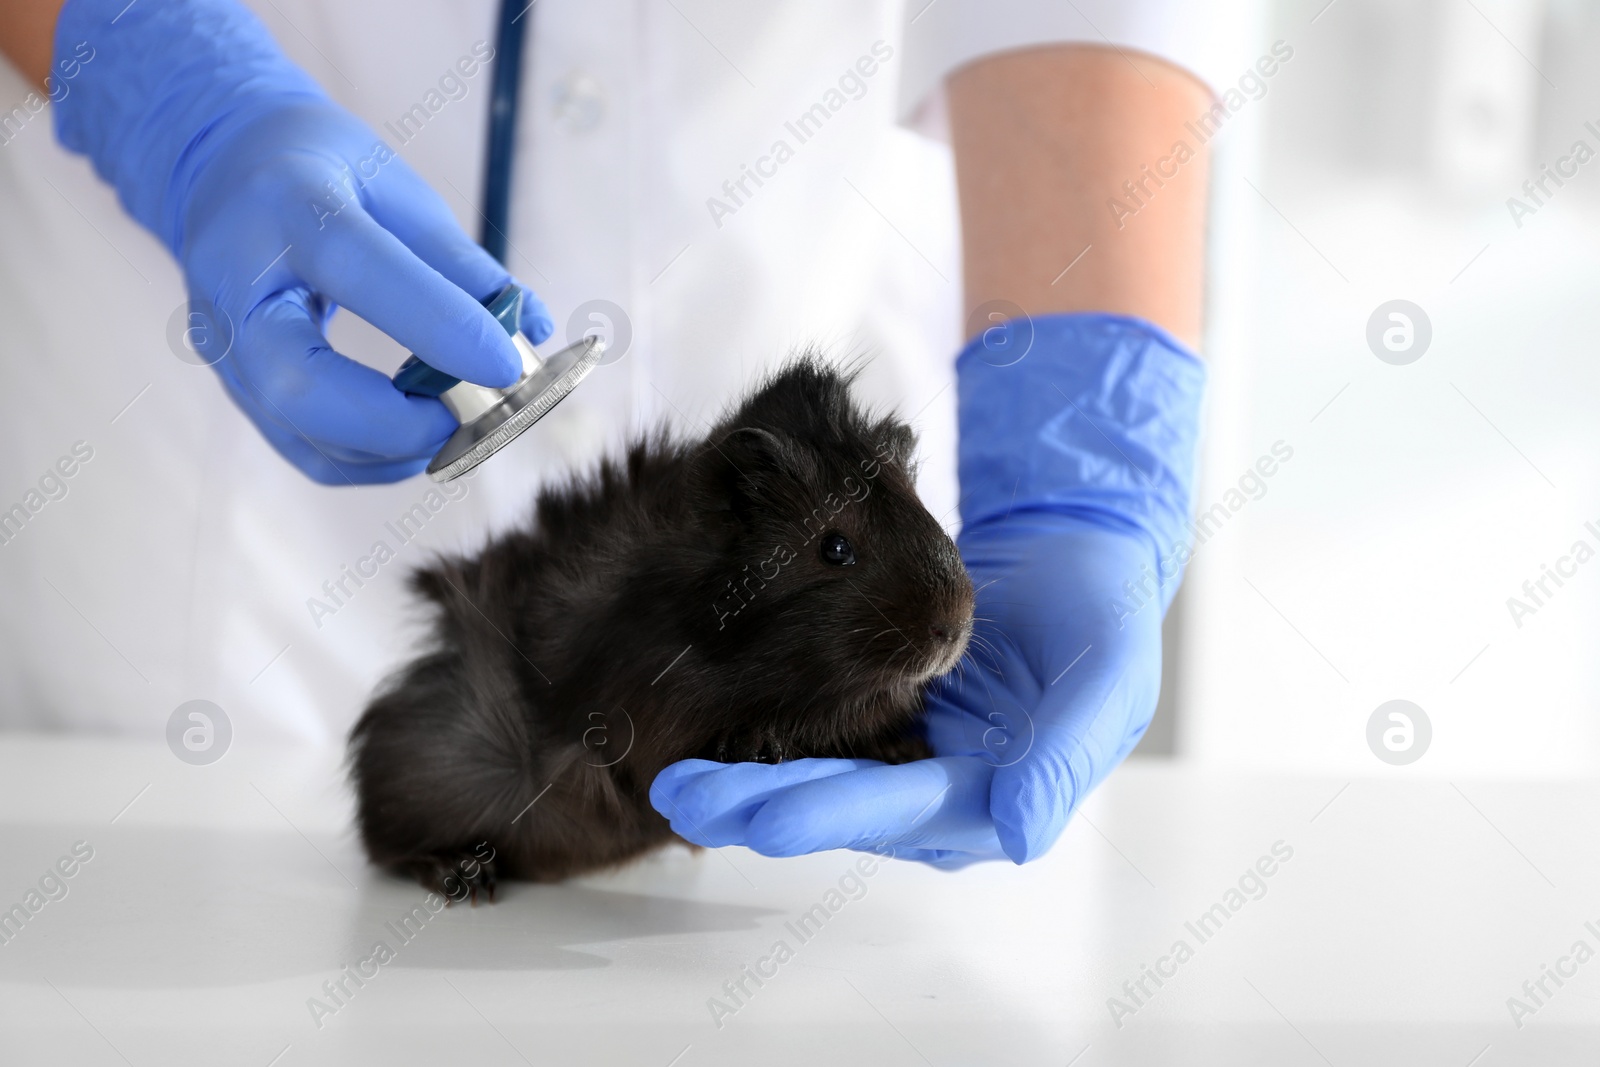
(219, 901)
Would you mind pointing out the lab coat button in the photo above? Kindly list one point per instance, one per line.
(579, 102)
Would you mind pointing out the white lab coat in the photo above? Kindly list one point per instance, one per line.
(182, 559)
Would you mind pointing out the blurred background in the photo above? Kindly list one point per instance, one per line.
(1377, 563)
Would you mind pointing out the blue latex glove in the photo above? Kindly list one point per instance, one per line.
(1076, 462)
(280, 205)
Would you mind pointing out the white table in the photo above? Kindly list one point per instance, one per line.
(221, 898)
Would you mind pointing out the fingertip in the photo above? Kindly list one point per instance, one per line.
(670, 781)
(674, 775)
(690, 767)
(1014, 845)
(945, 859)
(1025, 840)
(434, 314)
(537, 321)
(1033, 801)
(824, 811)
(780, 831)
(488, 357)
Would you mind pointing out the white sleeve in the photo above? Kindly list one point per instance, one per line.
(1209, 38)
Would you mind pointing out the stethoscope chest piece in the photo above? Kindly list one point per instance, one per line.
(492, 418)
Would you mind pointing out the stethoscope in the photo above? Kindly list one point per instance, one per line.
(491, 418)
(511, 34)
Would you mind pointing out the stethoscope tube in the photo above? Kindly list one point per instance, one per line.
(511, 34)
(492, 418)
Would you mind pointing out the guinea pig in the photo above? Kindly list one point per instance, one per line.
(772, 591)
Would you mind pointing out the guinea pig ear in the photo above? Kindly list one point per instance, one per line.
(896, 443)
(733, 469)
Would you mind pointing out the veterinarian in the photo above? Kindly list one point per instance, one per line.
(710, 183)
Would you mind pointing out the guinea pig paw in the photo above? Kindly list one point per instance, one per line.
(763, 748)
(751, 748)
(457, 874)
(895, 748)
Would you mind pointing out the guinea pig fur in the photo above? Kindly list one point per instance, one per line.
(772, 591)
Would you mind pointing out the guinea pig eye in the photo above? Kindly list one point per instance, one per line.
(837, 550)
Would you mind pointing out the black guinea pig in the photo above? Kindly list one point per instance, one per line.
(773, 591)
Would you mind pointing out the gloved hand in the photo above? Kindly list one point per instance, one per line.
(1076, 462)
(280, 205)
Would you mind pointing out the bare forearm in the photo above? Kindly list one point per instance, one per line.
(1043, 140)
(27, 32)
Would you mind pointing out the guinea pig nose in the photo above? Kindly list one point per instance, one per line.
(940, 631)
